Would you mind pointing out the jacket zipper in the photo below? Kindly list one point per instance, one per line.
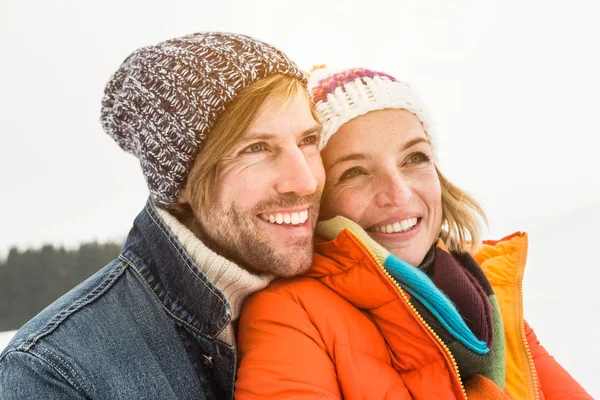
(414, 310)
(532, 372)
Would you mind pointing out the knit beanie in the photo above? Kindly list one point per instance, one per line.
(164, 99)
(342, 96)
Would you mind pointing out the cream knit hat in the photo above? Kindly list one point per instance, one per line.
(341, 96)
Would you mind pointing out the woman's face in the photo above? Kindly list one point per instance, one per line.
(380, 174)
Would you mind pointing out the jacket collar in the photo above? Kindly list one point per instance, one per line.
(178, 283)
(503, 261)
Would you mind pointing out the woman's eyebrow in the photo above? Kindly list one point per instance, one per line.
(413, 142)
(349, 157)
(363, 156)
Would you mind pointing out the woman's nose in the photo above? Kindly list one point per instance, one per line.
(393, 191)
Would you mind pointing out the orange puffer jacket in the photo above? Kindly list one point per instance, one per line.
(347, 330)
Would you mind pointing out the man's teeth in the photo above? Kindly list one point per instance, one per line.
(296, 218)
(396, 227)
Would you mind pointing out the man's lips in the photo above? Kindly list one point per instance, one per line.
(295, 217)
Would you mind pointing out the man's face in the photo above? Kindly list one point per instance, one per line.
(267, 192)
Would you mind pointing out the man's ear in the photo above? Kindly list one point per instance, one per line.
(181, 209)
(184, 196)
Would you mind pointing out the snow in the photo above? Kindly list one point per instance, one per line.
(5, 337)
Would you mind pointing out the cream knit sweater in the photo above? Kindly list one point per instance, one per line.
(235, 282)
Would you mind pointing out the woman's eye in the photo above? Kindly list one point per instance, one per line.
(351, 173)
(255, 148)
(309, 140)
(418, 158)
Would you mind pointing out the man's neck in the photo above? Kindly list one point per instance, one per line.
(235, 282)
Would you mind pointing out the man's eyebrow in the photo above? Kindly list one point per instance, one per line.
(269, 136)
(313, 129)
(257, 136)
(363, 156)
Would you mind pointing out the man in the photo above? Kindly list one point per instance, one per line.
(227, 141)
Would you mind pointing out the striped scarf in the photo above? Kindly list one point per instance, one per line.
(462, 281)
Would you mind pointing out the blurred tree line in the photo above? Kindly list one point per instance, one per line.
(31, 280)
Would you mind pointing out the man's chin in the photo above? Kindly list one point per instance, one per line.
(293, 270)
(293, 263)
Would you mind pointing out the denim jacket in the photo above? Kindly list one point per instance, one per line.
(143, 327)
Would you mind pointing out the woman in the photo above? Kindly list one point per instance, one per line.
(403, 300)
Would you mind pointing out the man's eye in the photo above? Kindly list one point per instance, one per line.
(309, 140)
(351, 173)
(255, 148)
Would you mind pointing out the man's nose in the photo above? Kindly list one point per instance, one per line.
(295, 174)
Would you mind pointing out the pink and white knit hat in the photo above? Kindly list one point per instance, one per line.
(342, 96)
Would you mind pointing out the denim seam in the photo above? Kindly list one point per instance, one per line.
(132, 265)
(182, 256)
(82, 386)
(54, 366)
(64, 314)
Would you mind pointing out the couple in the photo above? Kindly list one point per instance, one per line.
(393, 297)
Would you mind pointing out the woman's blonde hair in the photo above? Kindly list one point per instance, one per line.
(461, 217)
(229, 128)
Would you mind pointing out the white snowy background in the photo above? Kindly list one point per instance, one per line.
(513, 85)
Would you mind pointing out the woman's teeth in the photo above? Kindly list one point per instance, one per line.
(396, 227)
(296, 218)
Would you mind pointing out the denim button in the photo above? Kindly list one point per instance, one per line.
(207, 360)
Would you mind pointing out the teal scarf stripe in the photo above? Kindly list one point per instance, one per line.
(419, 285)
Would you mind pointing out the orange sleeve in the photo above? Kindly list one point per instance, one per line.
(555, 382)
(281, 353)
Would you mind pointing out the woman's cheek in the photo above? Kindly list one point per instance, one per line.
(346, 202)
(426, 182)
(327, 204)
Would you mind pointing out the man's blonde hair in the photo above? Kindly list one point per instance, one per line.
(228, 130)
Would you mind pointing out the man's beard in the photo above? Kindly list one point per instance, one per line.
(236, 235)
